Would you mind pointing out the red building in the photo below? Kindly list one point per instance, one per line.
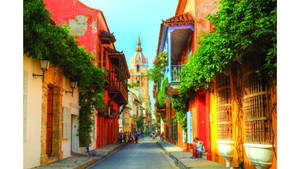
(93, 33)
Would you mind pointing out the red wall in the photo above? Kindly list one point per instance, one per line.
(66, 11)
(62, 11)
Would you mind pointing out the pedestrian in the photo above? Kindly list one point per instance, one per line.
(119, 139)
(153, 135)
(200, 148)
(162, 136)
(136, 137)
(194, 147)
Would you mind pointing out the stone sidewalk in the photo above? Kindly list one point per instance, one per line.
(83, 161)
(182, 159)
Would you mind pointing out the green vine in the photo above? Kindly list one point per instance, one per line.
(43, 39)
(180, 104)
(162, 91)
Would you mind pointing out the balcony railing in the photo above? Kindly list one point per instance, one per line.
(174, 73)
(116, 86)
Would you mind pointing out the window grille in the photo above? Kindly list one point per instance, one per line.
(256, 107)
(224, 111)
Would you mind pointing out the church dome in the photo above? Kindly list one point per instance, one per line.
(138, 57)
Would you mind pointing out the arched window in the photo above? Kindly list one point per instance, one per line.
(137, 68)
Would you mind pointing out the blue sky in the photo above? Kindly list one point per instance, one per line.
(129, 18)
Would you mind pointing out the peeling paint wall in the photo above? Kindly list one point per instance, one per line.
(83, 21)
(78, 25)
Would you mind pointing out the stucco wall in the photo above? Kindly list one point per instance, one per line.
(32, 108)
(190, 7)
(70, 106)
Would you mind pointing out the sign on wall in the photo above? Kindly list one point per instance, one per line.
(189, 128)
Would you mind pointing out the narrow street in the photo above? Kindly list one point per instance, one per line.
(146, 154)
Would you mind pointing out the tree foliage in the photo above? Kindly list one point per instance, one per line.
(43, 39)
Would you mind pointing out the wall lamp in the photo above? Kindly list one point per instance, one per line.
(44, 66)
(73, 86)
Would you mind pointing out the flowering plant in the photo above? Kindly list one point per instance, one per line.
(159, 67)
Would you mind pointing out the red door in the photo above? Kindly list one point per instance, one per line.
(49, 133)
(203, 130)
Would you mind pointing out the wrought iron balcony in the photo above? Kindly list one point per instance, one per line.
(173, 72)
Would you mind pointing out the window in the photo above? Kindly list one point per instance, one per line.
(138, 82)
(258, 122)
(137, 68)
(224, 112)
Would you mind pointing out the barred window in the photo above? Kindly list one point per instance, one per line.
(256, 106)
(224, 111)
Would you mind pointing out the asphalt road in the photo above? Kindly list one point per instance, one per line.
(144, 155)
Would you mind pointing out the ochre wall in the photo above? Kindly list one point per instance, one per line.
(70, 107)
(32, 108)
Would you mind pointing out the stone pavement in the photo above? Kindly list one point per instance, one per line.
(82, 161)
(182, 159)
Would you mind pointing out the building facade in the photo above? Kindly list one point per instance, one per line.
(236, 118)
(51, 129)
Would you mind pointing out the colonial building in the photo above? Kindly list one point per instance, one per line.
(138, 75)
(236, 118)
(51, 129)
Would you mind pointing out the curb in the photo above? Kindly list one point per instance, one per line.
(177, 162)
(95, 160)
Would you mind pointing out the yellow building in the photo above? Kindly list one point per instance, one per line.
(138, 75)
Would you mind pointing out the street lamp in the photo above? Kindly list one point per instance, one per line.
(73, 86)
(44, 66)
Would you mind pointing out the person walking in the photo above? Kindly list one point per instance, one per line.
(136, 137)
(153, 135)
(162, 136)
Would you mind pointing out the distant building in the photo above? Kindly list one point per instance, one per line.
(138, 75)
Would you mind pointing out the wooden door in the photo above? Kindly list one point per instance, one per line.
(203, 127)
(49, 134)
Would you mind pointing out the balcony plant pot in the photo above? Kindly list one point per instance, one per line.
(261, 155)
(226, 149)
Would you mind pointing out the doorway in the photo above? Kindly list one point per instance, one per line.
(49, 132)
(74, 136)
(203, 123)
